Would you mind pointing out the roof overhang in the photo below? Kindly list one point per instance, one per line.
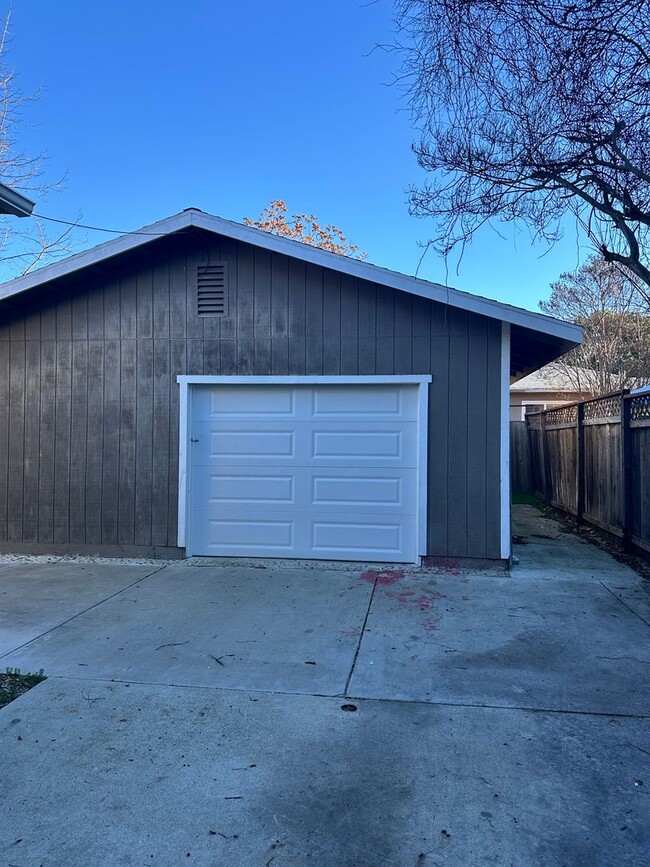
(13, 203)
(536, 339)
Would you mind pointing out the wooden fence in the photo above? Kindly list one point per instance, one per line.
(592, 459)
(521, 476)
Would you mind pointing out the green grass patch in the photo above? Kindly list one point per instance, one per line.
(528, 500)
(13, 683)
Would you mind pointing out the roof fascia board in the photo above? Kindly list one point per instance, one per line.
(354, 267)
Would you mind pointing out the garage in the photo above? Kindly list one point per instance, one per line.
(318, 468)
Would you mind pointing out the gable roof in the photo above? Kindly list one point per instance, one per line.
(553, 336)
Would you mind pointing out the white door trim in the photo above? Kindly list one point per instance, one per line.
(185, 403)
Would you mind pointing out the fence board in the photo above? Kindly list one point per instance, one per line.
(593, 460)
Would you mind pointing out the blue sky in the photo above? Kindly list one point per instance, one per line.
(152, 107)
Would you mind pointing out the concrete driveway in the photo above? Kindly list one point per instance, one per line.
(220, 715)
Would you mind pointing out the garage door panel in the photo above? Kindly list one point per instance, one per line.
(358, 489)
(365, 537)
(381, 403)
(341, 442)
(257, 401)
(258, 534)
(314, 471)
(322, 535)
(237, 486)
(254, 444)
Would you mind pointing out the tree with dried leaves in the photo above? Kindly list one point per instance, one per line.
(530, 110)
(615, 352)
(24, 243)
(304, 228)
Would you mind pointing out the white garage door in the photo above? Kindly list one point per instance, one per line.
(304, 471)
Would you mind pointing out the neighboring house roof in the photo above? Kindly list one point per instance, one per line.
(551, 378)
(535, 338)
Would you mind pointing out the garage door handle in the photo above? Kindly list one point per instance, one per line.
(194, 440)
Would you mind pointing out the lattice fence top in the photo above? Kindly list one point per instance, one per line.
(606, 407)
(640, 407)
(562, 415)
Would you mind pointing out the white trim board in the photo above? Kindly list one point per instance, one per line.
(185, 415)
(344, 264)
(504, 441)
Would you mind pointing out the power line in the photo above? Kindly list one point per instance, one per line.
(98, 228)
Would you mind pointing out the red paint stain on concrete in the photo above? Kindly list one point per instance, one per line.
(385, 577)
(351, 633)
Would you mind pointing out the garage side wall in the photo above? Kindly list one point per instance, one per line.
(89, 421)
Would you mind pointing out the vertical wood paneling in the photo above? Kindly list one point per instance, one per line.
(245, 291)
(4, 434)
(46, 442)
(439, 397)
(212, 357)
(111, 442)
(476, 436)
(144, 305)
(95, 312)
(229, 249)
(367, 332)
(95, 443)
(16, 439)
(160, 298)
(32, 433)
(403, 349)
(262, 293)
(177, 296)
(493, 443)
(279, 296)
(178, 365)
(112, 322)
(313, 320)
(80, 317)
(127, 463)
(194, 323)
(421, 340)
(459, 412)
(62, 442)
(129, 307)
(79, 440)
(160, 483)
(228, 357)
(63, 314)
(144, 441)
(297, 317)
(349, 325)
(48, 321)
(33, 324)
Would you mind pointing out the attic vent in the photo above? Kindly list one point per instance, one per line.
(211, 289)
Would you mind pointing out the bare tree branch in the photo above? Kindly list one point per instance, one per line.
(529, 110)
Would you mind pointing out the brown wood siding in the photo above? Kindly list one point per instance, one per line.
(89, 430)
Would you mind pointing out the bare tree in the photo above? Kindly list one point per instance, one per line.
(529, 110)
(305, 228)
(615, 352)
(26, 243)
